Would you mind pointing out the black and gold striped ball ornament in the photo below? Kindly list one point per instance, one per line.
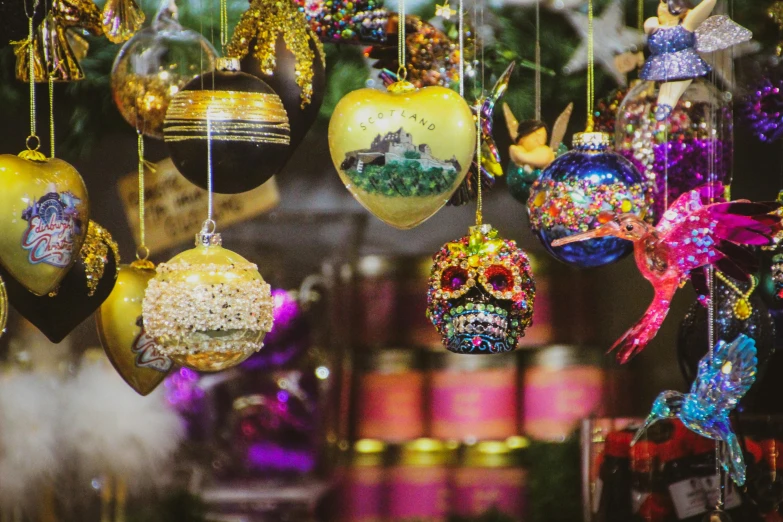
(231, 120)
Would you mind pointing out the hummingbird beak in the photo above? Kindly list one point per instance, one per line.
(607, 229)
(651, 419)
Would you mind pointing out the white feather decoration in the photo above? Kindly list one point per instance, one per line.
(28, 436)
(110, 429)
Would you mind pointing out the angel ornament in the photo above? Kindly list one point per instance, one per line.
(675, 38)
(529, 152)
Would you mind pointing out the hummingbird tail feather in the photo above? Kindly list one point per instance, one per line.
(635, 339)
(732, 460)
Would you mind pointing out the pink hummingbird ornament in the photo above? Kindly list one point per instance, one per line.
(693, 234)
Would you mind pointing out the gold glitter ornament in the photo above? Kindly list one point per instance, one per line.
(52, 54)
(262, 25)
(276, 44)
(121, 19)
(208, 308)
(153, 66)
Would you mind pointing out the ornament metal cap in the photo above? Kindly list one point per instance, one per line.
(227, 64)
(592, 140)
(207, 236)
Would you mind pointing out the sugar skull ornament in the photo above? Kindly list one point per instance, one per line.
(481, 293)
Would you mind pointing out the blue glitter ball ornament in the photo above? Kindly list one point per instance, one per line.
(581, 190)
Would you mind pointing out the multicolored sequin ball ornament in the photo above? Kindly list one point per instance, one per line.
(722, 381)
(693, 234)
(481, 293)
(575, 190)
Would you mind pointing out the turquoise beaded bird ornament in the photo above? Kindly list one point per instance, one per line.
(721, 382)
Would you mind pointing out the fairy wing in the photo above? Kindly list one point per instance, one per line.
(511, 122)
(720, 32)
(726, 377)
(560, 126)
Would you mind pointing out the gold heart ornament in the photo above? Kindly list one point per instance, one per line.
(45, 212)
(404, 152)
(132, 353)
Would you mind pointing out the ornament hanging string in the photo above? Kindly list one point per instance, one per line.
(402, 72)
(538, 61)
(33, 137)
(51, 114)
(590, 69)
(640, 15)
(461, 31)
(479, 44)
(142, 252)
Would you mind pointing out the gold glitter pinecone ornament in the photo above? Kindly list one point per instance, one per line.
(208, 308)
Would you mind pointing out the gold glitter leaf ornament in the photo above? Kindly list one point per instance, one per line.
(276, 44)
(131, 351)
(257, 34)
(208, 308)
(153, 66)
(121, 19)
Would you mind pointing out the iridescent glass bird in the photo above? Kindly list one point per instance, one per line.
(722, 381)
(693, 234)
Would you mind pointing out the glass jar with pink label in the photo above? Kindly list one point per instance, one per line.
(363, 487)
(490, 478)
(390, 396)
(377, 301)
(473, 398)
(418, 483)
(560, 386)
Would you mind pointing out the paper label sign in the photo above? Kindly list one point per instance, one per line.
(175, 208)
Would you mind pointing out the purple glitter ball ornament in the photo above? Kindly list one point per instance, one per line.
(762, 110)
(693, 147)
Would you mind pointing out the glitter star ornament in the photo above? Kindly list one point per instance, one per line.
(611, 37)
(207, 308)
(573, 192)
(481, 293)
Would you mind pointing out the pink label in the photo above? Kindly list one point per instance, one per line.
(363, 495)
(418, 494)
(391, 406)
(480, 404)
(476, 491)
(555, 400)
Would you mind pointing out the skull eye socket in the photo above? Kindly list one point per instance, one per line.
(453, 278)
(499, 278)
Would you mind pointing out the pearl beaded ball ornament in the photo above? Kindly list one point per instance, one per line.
(208, 308)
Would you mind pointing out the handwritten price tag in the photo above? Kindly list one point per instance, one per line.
(175, 208)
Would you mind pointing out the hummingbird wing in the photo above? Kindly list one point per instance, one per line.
(699, 233)
(725, 378)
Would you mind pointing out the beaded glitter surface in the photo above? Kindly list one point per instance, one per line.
(346, 21)
(724, 377)
(762, 110)
(481, 293)
(208, 308)
(574, 190)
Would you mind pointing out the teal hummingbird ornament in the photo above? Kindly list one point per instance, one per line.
(720, 384)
